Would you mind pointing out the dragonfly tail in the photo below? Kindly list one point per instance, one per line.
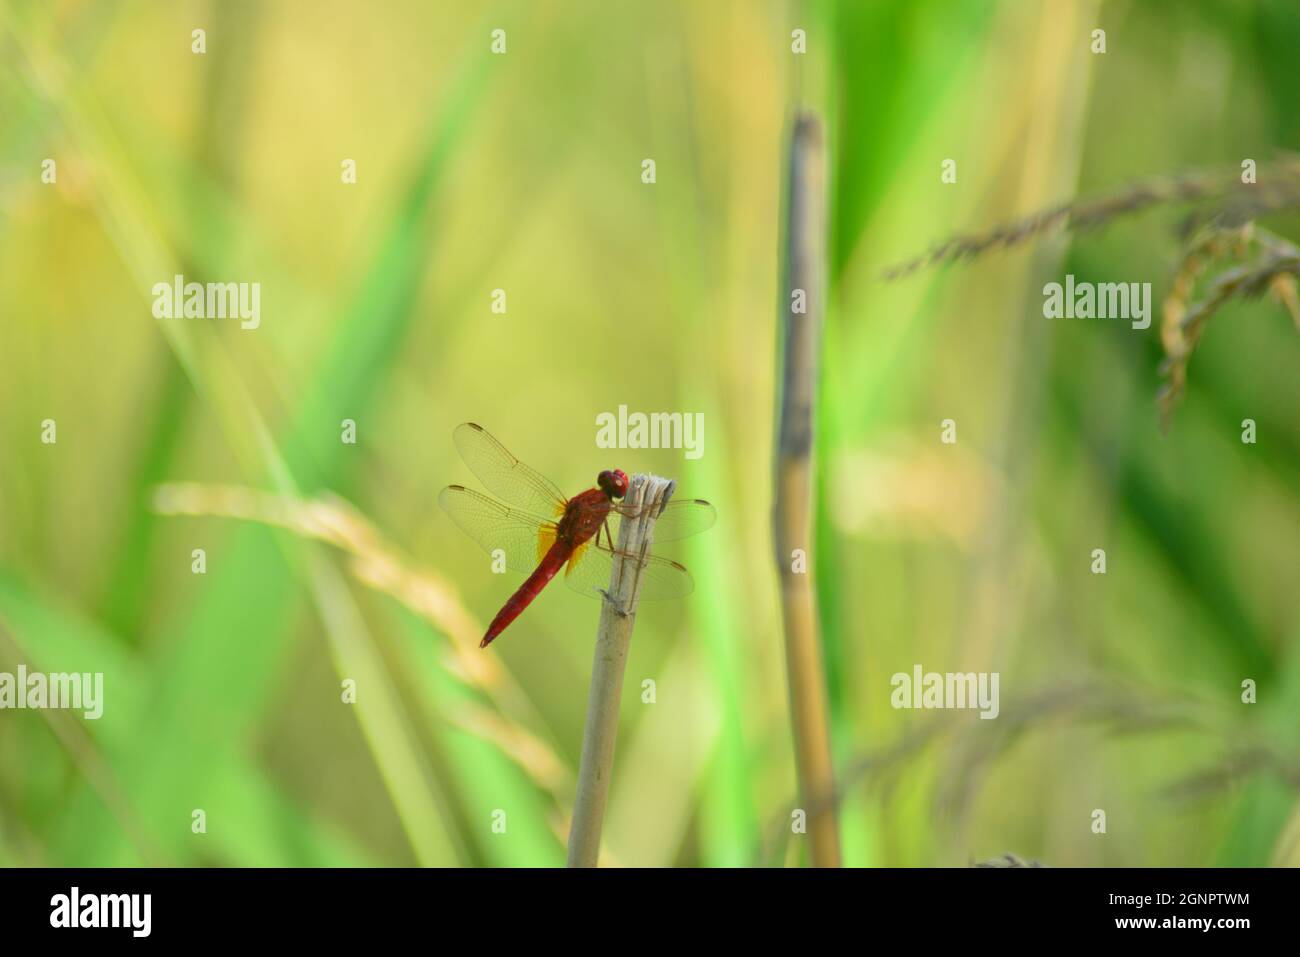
(551, 563)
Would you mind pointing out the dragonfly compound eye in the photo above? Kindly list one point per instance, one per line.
(613, 482)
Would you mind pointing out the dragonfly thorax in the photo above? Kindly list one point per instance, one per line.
(583, 516)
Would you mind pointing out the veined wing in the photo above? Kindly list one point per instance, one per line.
(504, 475)
(588, 573)
(681, 518)
(521, 538)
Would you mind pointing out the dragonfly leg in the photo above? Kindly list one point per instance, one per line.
(604, 527)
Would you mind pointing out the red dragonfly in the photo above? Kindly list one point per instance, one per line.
(530, 542)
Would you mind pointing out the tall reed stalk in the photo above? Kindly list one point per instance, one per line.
(804, 268)
(617, 616)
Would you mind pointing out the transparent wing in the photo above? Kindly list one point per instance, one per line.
(504, 475)
(681, 518)
(588, 573)
(521, 537)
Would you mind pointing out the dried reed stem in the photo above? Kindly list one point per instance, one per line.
(617, 616)
(805, 230)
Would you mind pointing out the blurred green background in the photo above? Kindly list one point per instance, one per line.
(522, 172)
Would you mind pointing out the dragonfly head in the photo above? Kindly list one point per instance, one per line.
(613, 482)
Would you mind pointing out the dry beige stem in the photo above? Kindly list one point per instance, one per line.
(617, 616)
(805, 230)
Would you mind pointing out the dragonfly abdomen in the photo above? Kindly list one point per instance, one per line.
(546, 569)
